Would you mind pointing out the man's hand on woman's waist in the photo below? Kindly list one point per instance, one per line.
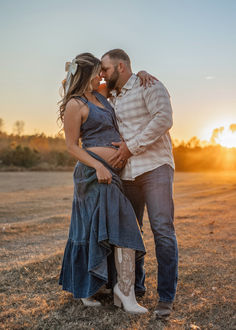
(121, 156)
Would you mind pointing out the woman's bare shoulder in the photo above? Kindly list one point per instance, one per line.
(73, 105)
(74, 111)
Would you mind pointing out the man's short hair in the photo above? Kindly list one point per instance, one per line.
(118, 54)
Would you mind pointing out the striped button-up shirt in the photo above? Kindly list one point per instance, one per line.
(144, 117)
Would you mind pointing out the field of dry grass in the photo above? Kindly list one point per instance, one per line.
(34, 219)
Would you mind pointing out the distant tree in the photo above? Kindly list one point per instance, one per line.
(1, 124)
(18, 127)
(194, 142)
(20, 156)
(60, 135)
(215, 134)
(232, 127)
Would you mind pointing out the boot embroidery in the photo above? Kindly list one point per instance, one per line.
(127, 270)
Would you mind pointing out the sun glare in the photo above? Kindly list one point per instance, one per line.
(226, 137)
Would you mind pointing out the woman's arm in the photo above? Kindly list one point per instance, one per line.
(72, 124)
(146, 79)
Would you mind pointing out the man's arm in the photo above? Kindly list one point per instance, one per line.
(157, 100)
(158, 104)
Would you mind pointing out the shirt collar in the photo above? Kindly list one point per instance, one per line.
(130, 82)
(129, 85)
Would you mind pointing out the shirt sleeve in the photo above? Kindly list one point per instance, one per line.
(157, 101)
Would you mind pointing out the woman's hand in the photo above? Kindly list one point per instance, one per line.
(146, 79)
(103, 174)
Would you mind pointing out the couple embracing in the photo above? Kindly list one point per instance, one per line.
(125, 163)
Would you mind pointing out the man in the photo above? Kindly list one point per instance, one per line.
(144, 116)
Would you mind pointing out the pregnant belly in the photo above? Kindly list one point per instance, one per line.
(104, 152)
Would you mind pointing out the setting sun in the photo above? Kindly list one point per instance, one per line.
(226, 137)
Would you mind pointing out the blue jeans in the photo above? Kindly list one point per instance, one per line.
(154, 188)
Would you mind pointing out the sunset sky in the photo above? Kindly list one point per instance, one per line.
(189, 45)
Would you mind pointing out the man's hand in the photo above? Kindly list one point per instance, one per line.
(120, 157)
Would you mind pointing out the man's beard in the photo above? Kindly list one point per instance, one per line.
(112, 82)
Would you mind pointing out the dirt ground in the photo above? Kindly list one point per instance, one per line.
(34, 220)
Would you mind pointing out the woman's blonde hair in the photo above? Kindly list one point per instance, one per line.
(87, 67)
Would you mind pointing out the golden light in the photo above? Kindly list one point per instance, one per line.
(226, 137)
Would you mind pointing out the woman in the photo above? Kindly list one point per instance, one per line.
(102, 217)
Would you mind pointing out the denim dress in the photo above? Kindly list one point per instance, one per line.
(102, 217)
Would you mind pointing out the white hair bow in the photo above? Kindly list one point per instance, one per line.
(71, 68)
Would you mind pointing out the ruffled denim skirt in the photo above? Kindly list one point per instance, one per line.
(102, 217)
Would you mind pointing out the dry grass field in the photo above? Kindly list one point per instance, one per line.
(34, 219)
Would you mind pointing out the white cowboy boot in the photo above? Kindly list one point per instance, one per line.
(124, 288)
(90, 302)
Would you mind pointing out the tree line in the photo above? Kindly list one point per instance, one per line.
(41, 152)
